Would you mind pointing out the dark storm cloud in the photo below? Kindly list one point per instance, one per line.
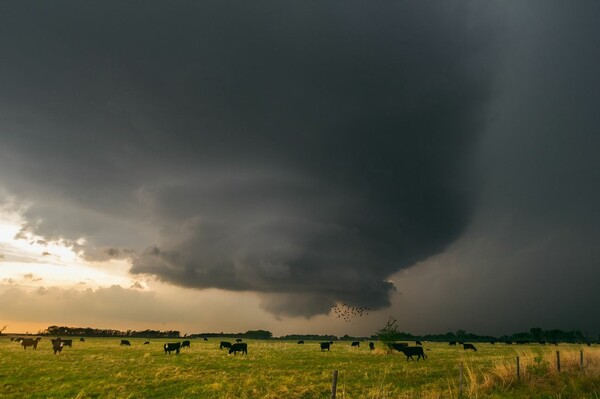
(530, 256)
(541, 198)
(304, 151)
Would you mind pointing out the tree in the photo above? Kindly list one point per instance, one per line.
(258, 334)
(389, 333)
(536, 333)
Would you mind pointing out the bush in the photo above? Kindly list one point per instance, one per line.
(389, 333)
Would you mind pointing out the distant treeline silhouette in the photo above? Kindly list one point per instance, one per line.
(534, 335)
(97, 332)
(250, 334)
(308, 337)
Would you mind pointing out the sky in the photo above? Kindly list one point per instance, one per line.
(235, 166)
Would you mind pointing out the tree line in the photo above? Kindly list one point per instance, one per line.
(98, 332)
(250, 334)
(390, 333)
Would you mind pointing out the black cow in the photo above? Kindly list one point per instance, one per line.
(300, 342)
(125, 342)
(67, 342)
(239, 347)
(399, 346)
(418, 343)
(173, 347)
(185, 344)
(355, 343)
(225, 344)
(82, 339)
(469, 346)
(206, 339)
(325, 345)
(452, 343)
(371, 345)
(147, 343)
(30, 342)
(409, 351)
(238, 340)
(57, 345)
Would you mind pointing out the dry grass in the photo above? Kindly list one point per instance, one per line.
(539, 374)
(100, 368)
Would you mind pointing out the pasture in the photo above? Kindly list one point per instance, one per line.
(101, 368)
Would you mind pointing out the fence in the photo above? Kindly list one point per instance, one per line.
(461, 373)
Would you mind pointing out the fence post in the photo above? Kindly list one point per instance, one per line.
(460, 381)
(334, 384)
(518, 369)
(558, 360)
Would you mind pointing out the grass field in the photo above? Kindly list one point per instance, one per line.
(100, 368)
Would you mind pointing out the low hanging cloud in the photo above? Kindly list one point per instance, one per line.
(300, 151)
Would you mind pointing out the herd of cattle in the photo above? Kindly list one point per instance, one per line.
(409, 351)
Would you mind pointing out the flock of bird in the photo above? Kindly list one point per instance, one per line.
(348, 313)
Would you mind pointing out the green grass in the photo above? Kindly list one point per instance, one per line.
(100, 368)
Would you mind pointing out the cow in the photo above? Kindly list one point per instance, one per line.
(452, 343)
(147, 343)
(371, 345)
(409, 351)
(355, 343)
(493, 342)
(238, 340)
(300, 342)
(225, 344)
(82, 339)
(239, 347)
(30, 342)
(67, 342)
(461, 343)
(418, 343)
(185, 344)
(57, 345)
(125, 342)
(206, 339)
(325, 345)
(508, 342)
(399, 346)
(469, 346)
(173, 347)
